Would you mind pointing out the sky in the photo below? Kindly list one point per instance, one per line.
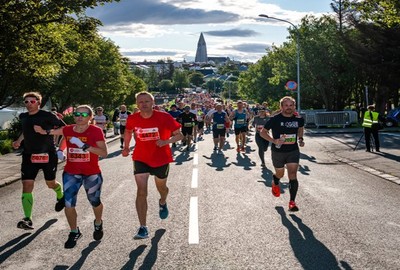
(170, 29)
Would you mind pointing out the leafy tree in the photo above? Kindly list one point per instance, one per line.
(29, 54)
(180, 79)
(166, 86)
(196, 78)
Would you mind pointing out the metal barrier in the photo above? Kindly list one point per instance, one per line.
(342, 118)
(323, 118)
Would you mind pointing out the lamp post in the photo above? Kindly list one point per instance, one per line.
(297, 53)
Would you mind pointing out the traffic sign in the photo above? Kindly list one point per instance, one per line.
(291, 85)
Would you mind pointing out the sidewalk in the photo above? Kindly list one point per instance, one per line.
(384, 164)
(10, 164)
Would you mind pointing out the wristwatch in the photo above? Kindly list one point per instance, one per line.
(48, 131)
(85, 146)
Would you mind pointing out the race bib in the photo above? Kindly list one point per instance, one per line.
(147, 134)
(190, 124)
(40, 158)
(122, 122)
(78, 155)
(290, 139)
(199, 118)
(240, 121)
(220, 126)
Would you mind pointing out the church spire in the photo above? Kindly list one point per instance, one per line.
(201, 53)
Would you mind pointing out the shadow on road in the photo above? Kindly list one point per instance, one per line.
(18, 244)
(218, 161)
(79, 263)
(244, 161)
(309, 251)
(151, 256)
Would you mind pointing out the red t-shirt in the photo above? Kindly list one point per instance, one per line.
(79, 161)
(146, 132)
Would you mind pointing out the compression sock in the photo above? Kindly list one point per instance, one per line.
(59, 192)
(122, 140)
(27, 204)
(293, 187)
(276, 179)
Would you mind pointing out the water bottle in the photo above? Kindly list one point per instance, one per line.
(281, 140)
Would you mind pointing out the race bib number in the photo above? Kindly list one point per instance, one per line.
(199, 118)
(220, 126)
(148, 134)
(122, 122)
(290, 139)
(190, 124)
(240, 121)
(78, 155)
(40, 158)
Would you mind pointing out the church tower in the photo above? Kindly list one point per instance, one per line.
(201, 53)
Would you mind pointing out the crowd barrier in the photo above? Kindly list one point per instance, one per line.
(324, 119)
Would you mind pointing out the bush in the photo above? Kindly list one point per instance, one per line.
(69, 119)
(6, 146)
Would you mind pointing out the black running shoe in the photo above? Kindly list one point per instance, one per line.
(98, 231)
(142, 233)
(60, 204)
(25, 224)
(72, 239)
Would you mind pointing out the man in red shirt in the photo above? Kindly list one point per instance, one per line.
(152, 130)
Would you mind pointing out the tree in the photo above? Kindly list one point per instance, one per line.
(196, 78)
(26, 55)
(166, 86)
(180, 79)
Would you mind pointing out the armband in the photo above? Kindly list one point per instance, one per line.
(85, 147)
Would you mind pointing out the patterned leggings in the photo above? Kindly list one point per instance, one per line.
(73, 182)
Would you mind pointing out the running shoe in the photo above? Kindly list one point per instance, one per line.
(60, 204)
(188, 148)
(263, 165)
(293, 207)
(215, 148)
(238, 149)
(173, 144)
(98, 231)
(142, 233)
(72, 239)
(276, 190)
(121, 146)
(242, 149)
(163, 211)
(25, 224)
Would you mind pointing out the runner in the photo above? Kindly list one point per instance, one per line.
(187, 120)
(39, 153)
(200, 122)
(218, 118)
(152, 154)
(287, 135)
(123, 115)
(240, 117)
(101, 120)
(174, 113)
(85, 143)
(193, 109)
(259, 122)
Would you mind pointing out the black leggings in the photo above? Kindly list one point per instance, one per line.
(262, 146)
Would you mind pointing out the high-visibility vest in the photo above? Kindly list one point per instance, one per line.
(367, 119)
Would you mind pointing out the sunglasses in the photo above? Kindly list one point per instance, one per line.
(33, 101)
(83, 114)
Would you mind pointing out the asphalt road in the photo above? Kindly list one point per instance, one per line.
(222, 216)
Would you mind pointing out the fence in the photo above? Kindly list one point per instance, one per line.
(322, 118)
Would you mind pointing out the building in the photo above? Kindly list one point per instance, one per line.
(201, 53)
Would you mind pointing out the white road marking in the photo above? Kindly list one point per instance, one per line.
(193, 221)
(195, 159)
(195, 174)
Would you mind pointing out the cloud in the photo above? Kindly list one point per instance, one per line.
(158, 13)
(248, 47)
(236, 32)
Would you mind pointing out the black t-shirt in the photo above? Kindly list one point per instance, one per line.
(187, 119)
(285, 125)
(34, 142)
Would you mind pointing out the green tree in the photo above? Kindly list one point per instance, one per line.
(180, 79)
(166, 86)
(31, 52)
(196, 78)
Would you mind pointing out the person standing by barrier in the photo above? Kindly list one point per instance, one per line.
(287, 136)
(152, 154)
(259, 122)
(122, 116)
(39, 153)
(370, 122)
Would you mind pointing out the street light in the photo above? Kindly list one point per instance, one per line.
(297, 52)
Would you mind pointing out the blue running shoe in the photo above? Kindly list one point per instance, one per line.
(142, 233)
(163, 211)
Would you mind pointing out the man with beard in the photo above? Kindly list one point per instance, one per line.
(287, 136)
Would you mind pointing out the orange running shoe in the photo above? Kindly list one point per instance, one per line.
(293, 207)
(276, 190)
